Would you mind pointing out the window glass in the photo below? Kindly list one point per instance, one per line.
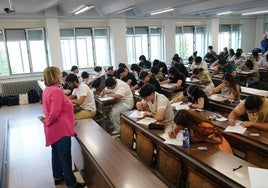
(156, 44)
(230, 37)
(4, 69)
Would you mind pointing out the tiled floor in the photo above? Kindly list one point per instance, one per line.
(29, 159)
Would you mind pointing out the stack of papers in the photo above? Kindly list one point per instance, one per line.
(238, 128)
(179, 106)
(137, 114)
(146, 121)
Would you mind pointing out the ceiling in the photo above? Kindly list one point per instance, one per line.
(138, 8)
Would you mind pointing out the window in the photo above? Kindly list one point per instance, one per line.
(190, 39)
(4, 68)
(230, 37)
(85, 47)
(38, 49)
(145, 41)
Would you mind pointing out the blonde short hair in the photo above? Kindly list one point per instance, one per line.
(52, 76)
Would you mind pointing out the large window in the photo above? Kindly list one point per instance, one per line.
(85, 47)
(4, 67)
(144, 41)
(190, 39)
(26, 51)
(230, 37)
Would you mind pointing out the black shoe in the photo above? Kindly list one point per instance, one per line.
(59, 181)
(80, 185)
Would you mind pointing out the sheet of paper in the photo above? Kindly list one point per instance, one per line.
(237, 128)
(168, 86)
(216, 97)
(137, 114)
(179, 105)
(146, 121)
(193, 80)
(221, 119)
(136, 92)
(106, 98)
(174, 141)
(258, 177)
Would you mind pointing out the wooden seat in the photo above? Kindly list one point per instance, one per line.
(144, 148)
(169, 166)
(196, 180)
(127, 135)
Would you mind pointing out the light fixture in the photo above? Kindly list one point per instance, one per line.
(82, 9)
(162, 11)
(224, 13)
(123, 10)
(258, 12)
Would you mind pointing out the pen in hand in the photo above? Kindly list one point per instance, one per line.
(240, 166)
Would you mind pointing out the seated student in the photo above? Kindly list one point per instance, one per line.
(175, 77)
(127, 77)
(111, 72)
(144, 63)
(204, 78)
(229, 88)
(82, 97)
(154, 104)
(198, 63)
(192, 57)
(157, 74)
(161, 66)
(85, 78)
(248, 66)
(75, 71)
(200, 128)
(238, 59)
(67, 90)
(263, 62)
(121, 65)
(145, 78)
(255, 56)
(98, 71)
(227, 67)
(119, 90)
(255, 108)
(176, 59)
(197, 98)
(210, 56)
(181, 68)
(136, 70)
(231, 55)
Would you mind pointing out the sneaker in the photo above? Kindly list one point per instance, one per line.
(58, 181)
(80, 185)
(115, 132)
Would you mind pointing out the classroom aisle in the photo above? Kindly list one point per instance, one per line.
(29, 159)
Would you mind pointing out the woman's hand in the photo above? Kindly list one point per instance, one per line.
(139, 106)
(42, 119)
(172, 134)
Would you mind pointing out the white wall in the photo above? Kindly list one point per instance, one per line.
(248, 32)
(169, 39)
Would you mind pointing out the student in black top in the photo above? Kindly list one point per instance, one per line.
(161, 66)
(175, 77)
(196, 96)
(136, 70)
(145, 78)
(127, 77)
(144, 63)
(111, 72)
(181, 68)
(64, 85)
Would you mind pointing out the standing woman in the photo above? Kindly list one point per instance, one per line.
(59, 127)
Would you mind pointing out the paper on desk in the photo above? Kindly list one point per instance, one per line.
(238, 128)
(106, 98)
(179, 106)
(174, 141)
(193, 80)
(168, 86)
(258, 177)
(146, 121)
(221, 119)
(216, 97)
(137, 114)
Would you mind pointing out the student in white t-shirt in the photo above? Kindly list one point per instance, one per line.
(121, 91)
(82, 98)
(154, 104)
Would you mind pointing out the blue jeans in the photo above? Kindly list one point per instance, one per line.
(62, 161)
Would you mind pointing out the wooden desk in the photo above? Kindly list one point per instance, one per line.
(4, 126)
(103, 106)
(170, 90)
(255, 148)
(104, 162)
(263, 74)
(216, 81)
(247, 91)
(222, 106)
(211, 165)
(244, 76)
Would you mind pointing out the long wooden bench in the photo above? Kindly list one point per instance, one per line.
(4, 124)
(104, 162)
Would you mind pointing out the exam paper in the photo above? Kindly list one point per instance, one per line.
(146, 121)
(179, 106)
(106, 98)
(168, 86)
(238, 128)
(137, 114)
(174, 141)
(258, 177)
(216, 97)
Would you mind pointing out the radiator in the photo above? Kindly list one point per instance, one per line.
(20, 87)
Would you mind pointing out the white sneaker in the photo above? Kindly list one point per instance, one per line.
(115, 132)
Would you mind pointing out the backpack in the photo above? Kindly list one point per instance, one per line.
(12, 100)
(33, 97)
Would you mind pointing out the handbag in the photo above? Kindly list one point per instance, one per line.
(23, 98)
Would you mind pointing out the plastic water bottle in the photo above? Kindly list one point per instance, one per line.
(186, 138)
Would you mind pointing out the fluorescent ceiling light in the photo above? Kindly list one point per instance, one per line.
(258, 12)
(123, 10)
(224, 13)
(83, 9)
(162, 11)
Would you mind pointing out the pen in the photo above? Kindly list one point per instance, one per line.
(240, 166)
